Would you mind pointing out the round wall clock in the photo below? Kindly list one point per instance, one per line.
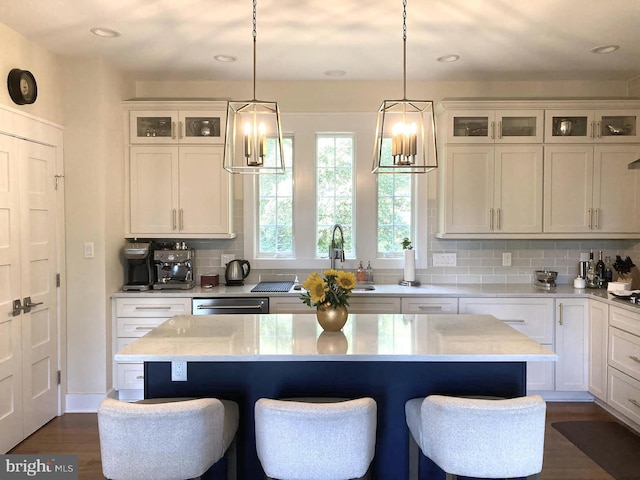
(22, 86)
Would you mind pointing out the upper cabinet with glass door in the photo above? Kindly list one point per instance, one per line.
(589, 126)
(494, 126)
(206, 126)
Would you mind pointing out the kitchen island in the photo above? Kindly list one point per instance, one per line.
(391, 358)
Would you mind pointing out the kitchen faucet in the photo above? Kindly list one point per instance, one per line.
(334, 251)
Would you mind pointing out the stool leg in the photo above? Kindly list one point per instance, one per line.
(451, 476)
(414, 458)
(232, 461)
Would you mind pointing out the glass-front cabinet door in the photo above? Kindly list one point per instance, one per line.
(585, 126)
(189, 127)
(495, 126)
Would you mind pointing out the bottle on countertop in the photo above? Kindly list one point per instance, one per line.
(592, 281)
(608, 270)
(369, 273)
(361, 275)
(600, 269)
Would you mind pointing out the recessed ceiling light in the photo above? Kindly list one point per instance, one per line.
(335, 73)
(449, 58)
(225, 58)
(605, 49)
(105, 32)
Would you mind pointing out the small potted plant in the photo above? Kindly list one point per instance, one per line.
(329, 293)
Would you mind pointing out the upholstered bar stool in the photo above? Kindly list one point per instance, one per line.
(317, 439)
(165, 439)
(478, 437)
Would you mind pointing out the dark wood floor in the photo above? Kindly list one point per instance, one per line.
(78, 433)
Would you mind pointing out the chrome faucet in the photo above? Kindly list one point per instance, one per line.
(335, 252)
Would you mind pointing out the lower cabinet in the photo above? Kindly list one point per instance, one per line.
(531, 316)
(572, 344)
(373, 304)
(431, 305)
(133, 318)
(598, 338)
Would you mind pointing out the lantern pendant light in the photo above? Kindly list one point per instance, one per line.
(254, 135)
(405, 132)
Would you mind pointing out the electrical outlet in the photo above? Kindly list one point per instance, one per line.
(178, 371)
(506, 259)
(445, 259)
(226, 258)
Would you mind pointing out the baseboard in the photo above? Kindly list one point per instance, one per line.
(86, 402)
(553, 396)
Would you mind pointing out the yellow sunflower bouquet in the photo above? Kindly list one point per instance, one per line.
(330, 290)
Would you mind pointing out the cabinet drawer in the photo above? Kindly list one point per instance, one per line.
(624, 394)
(531, 316)
(137, 327)
(625, 320)
(429, 305)
(374, 305)
(624, 352)
(130, 375)
(152, 307)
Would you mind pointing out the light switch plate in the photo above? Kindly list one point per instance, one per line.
(506, 259)
(445, 259)
(89, 250)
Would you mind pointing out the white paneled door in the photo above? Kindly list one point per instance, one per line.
(28, 334)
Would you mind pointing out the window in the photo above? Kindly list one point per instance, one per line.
(289, 218)
(275, 206)
(395, 212)
(334, 190)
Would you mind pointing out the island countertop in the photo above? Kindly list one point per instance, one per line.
(365, 337)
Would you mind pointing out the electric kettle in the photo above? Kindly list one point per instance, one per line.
(237, 271)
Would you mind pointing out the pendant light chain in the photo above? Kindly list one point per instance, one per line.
(255, 34)
(404, 48)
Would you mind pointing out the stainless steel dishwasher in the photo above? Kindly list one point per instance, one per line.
(229, 305)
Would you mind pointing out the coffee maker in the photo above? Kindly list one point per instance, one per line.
(138, 257)
(174, 267)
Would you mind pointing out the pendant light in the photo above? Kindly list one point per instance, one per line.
(254, 135)
(405, 132)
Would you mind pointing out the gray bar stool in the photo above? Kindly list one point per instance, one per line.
(315, 439)
(166, 439)
(478, 437)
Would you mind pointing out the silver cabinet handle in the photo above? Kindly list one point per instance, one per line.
(560, 309)
(430, 307)
(140, 377)
(180, 134)
(498, 214)
(517, 320)
(597, 226)
(590, 215)
(499, 130)
(635, 402)
(144, 328)
(593, 129)
(228, 307)
(491, 219)
(173, 219)
(181, 219)
(154, 307)
(634, 358)
(598, 130)
(493, 130)
(173, 130)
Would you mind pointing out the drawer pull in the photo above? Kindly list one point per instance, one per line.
(635, 359)
(158, 307)
(635, 402)
(430, 307)
(145, 328)
(514, 321)
(140, 377)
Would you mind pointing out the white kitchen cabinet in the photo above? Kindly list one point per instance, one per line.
(589, 189)
(204, 126)
(178, 192)
(598, 339)
(624, 363)
(372, 304)
(491, 189)
(591, 126)
(494, 126)
(572, 344)
(531, 316)
(429, 305)
(133, 318)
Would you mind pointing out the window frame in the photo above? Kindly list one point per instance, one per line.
(304, 127)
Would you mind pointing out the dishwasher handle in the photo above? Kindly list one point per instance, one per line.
(230, 307)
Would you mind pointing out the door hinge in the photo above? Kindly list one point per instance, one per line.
(57, 280)
(58, 177)
(59, 377)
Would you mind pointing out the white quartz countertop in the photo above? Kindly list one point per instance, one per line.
(365, 337)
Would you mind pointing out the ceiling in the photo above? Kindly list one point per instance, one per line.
(303, 39)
